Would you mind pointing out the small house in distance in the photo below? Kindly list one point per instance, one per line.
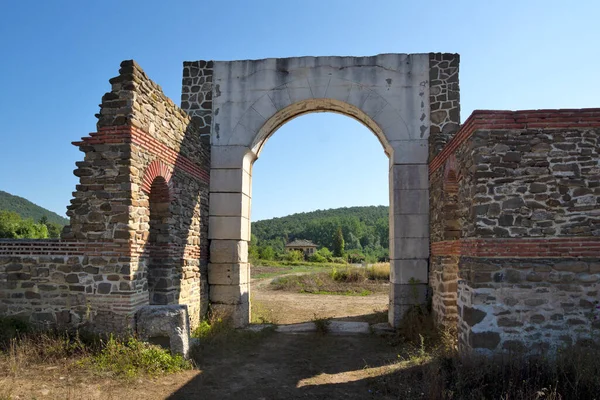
(305, 246)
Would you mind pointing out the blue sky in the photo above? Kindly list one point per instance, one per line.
(57, 58)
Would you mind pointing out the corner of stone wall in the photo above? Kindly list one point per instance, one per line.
(444, 100)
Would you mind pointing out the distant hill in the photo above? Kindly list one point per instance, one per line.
(27, 209)
(363, 227)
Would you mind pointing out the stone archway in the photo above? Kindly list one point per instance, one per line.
(401, 98)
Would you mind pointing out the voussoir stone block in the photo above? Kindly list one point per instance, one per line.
(157, 324)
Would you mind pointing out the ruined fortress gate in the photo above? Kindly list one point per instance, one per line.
(496, 222)
(391, 94)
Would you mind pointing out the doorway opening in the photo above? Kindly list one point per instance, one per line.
(319, 247)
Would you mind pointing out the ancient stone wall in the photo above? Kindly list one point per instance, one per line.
(528, 213)
(138, 232)
(444, 100)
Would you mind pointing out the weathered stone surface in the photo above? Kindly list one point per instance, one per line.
(172, 322)
(485, 340)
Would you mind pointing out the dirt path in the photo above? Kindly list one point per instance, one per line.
(283, 307)
(275, 366)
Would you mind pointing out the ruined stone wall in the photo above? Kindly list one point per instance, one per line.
(142, 138)
(529, 219)
(444, 100)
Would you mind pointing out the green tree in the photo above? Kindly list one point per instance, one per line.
(267, 253)
(13, 227)
(338, 243)
(294, 255)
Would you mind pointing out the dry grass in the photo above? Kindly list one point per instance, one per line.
(378, 271)
(349, 281)
(24, 348)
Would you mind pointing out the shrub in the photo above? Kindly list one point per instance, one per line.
(356, 258)
(129, 358)
(318, 258)
(325, 252)
(267, 253)
(348, 275)
(338, 260)
(294, 255)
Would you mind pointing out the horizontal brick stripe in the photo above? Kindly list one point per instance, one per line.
(524, 119)
(129, 134)
(519, 247)
(57, 247)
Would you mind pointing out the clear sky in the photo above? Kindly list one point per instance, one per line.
(57, 56)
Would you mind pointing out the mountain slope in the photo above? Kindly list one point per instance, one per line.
(27, 209)
(363, 227)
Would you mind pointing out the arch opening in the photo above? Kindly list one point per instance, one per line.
(159, 262)
(311, 106)
(293, 177)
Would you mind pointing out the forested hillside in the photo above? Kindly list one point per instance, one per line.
(27, 209)
(22, 219)
(365, 229)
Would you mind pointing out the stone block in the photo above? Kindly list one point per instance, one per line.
(406, 271)
(233, 228)
(410, 226)
(408, 294)
(484, 340)
(228, 251)
(229, 204)
(228, 274)
(412, 201)
(163, 325)
(410, 152)
(407, 248)
(409, 176)
(230, 181)
(230, 294)
(230, 157)
(238, 314)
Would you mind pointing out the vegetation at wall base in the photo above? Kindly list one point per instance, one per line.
(22, 346)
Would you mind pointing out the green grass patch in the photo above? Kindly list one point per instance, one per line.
(363, 292)
(349, 281)
(131, 357)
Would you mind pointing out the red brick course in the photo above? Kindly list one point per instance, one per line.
(565, 247)
(130, 134)
(523, 119)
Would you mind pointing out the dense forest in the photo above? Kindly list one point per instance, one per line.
(365, 231)
(26, 209)
(22, 219)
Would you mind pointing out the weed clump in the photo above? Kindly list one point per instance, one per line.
(132, 357)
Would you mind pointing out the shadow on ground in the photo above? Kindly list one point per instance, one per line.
(307, 366)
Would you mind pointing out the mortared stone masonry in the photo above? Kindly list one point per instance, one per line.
(502, 235)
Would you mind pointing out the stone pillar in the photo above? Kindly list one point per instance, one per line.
(409, 234)
(229, 233)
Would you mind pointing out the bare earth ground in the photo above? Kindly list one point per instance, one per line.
(271, 366)
(283, 307)
(276, 366)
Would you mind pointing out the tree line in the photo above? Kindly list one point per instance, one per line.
(359, 232)
(12, 226)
